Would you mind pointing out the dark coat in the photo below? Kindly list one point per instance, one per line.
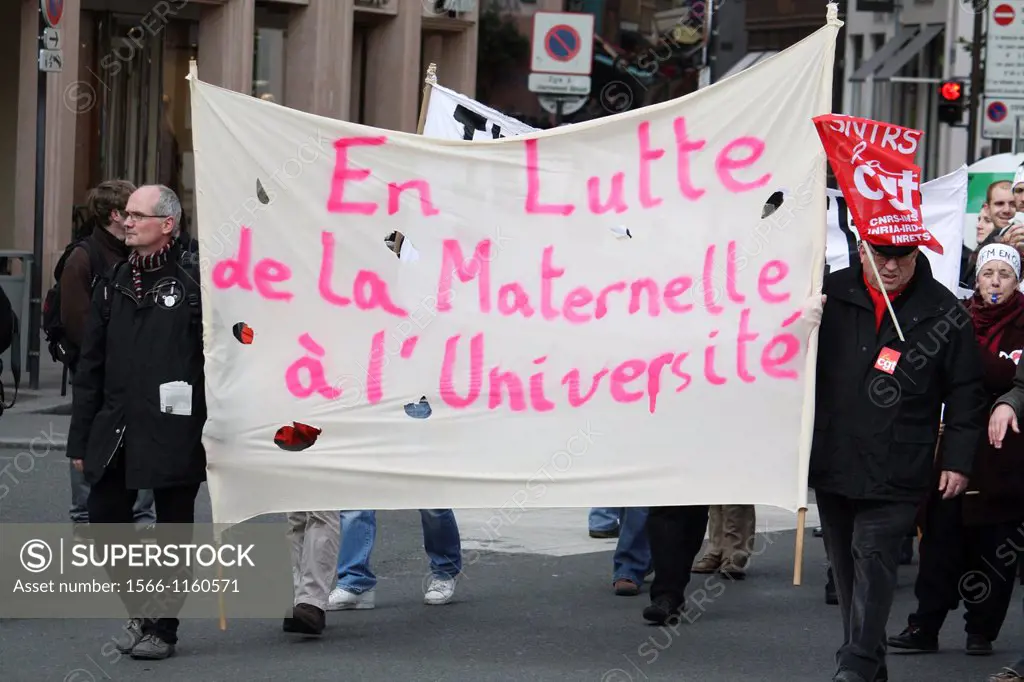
(77, 278)
(995, 493)
(123, 364)
(875, 432)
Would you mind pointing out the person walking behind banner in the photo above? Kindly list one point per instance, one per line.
(1006, 417)
(676, 534)
(357, 584)
(139, 403)
(316, 537)
(973, 535)
(731, 530)
(604, 522)
(877, 407)
(87, 262)
(631, 562)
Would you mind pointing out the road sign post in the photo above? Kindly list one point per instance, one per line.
(51, 60)
(561, 59)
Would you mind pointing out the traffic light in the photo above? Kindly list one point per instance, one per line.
(951, 102)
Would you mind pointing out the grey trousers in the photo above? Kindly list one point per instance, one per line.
(316, 537)
(862, 539)
(144, 510)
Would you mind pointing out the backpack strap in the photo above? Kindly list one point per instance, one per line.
(108, 295)
(189, 263)
(96, 264)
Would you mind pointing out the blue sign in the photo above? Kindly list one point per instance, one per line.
(997, 111)
(562, 43)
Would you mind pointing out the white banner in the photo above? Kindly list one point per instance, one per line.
(451, 116)
(609, 324)
(943, 205)
(944, 200)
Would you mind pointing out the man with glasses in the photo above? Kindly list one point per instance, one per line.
(877, 408)
(139, 405)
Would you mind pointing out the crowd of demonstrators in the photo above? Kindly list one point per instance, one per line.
(899, 440)
(1000, 221)
(88, 262)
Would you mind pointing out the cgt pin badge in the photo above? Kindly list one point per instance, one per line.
(887, 360)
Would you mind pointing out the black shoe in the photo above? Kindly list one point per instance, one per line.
(915, 639)
(605, 534)
(306, 619)
(907, 552)
(978, 645)
(831, 598)
(661, 611)
(818, 532)
(882, 675)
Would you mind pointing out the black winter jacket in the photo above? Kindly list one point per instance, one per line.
(875, 432)
(144, 344)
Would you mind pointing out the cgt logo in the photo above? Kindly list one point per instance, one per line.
(898, 189)
(887, 360)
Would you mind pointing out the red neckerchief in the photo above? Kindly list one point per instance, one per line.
(990, 321)
(879, 303)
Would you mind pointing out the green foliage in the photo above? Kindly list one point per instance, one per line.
(501, 50)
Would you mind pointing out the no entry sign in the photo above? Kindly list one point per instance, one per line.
(53, 11)
(1003, 14)
(563, 43)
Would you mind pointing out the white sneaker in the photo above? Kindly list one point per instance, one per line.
(343, 600)
(439, 591)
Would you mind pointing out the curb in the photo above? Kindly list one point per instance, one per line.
(30, 443)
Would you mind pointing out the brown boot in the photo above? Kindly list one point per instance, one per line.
(709, 563)
(306, 619)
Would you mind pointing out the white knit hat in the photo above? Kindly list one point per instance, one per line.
(1018, 177)
(1002, 252)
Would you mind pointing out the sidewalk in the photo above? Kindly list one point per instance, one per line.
(39, 418)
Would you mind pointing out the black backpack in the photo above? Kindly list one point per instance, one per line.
(61, 349)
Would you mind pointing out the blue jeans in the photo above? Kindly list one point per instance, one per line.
(632, 557)
(359, 530)
(604, 518)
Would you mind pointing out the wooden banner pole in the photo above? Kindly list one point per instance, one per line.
(428, 82)
(798, 563)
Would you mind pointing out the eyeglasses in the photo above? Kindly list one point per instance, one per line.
(900, 261)
(135, 216)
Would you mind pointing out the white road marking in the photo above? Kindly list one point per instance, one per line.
(563, 532)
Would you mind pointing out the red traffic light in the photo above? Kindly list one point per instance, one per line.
(951, 91)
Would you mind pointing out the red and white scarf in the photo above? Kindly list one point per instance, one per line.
(152, 261)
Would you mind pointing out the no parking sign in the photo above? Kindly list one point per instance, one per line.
(563, 43)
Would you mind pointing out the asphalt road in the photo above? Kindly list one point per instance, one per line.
(516, 617)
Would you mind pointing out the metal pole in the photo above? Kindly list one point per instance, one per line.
(36, 288)
(558, 111)
(708, 37)
(980, 6)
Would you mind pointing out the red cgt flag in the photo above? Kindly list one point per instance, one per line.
(874, 165)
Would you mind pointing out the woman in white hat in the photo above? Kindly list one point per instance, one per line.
(967, 547)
